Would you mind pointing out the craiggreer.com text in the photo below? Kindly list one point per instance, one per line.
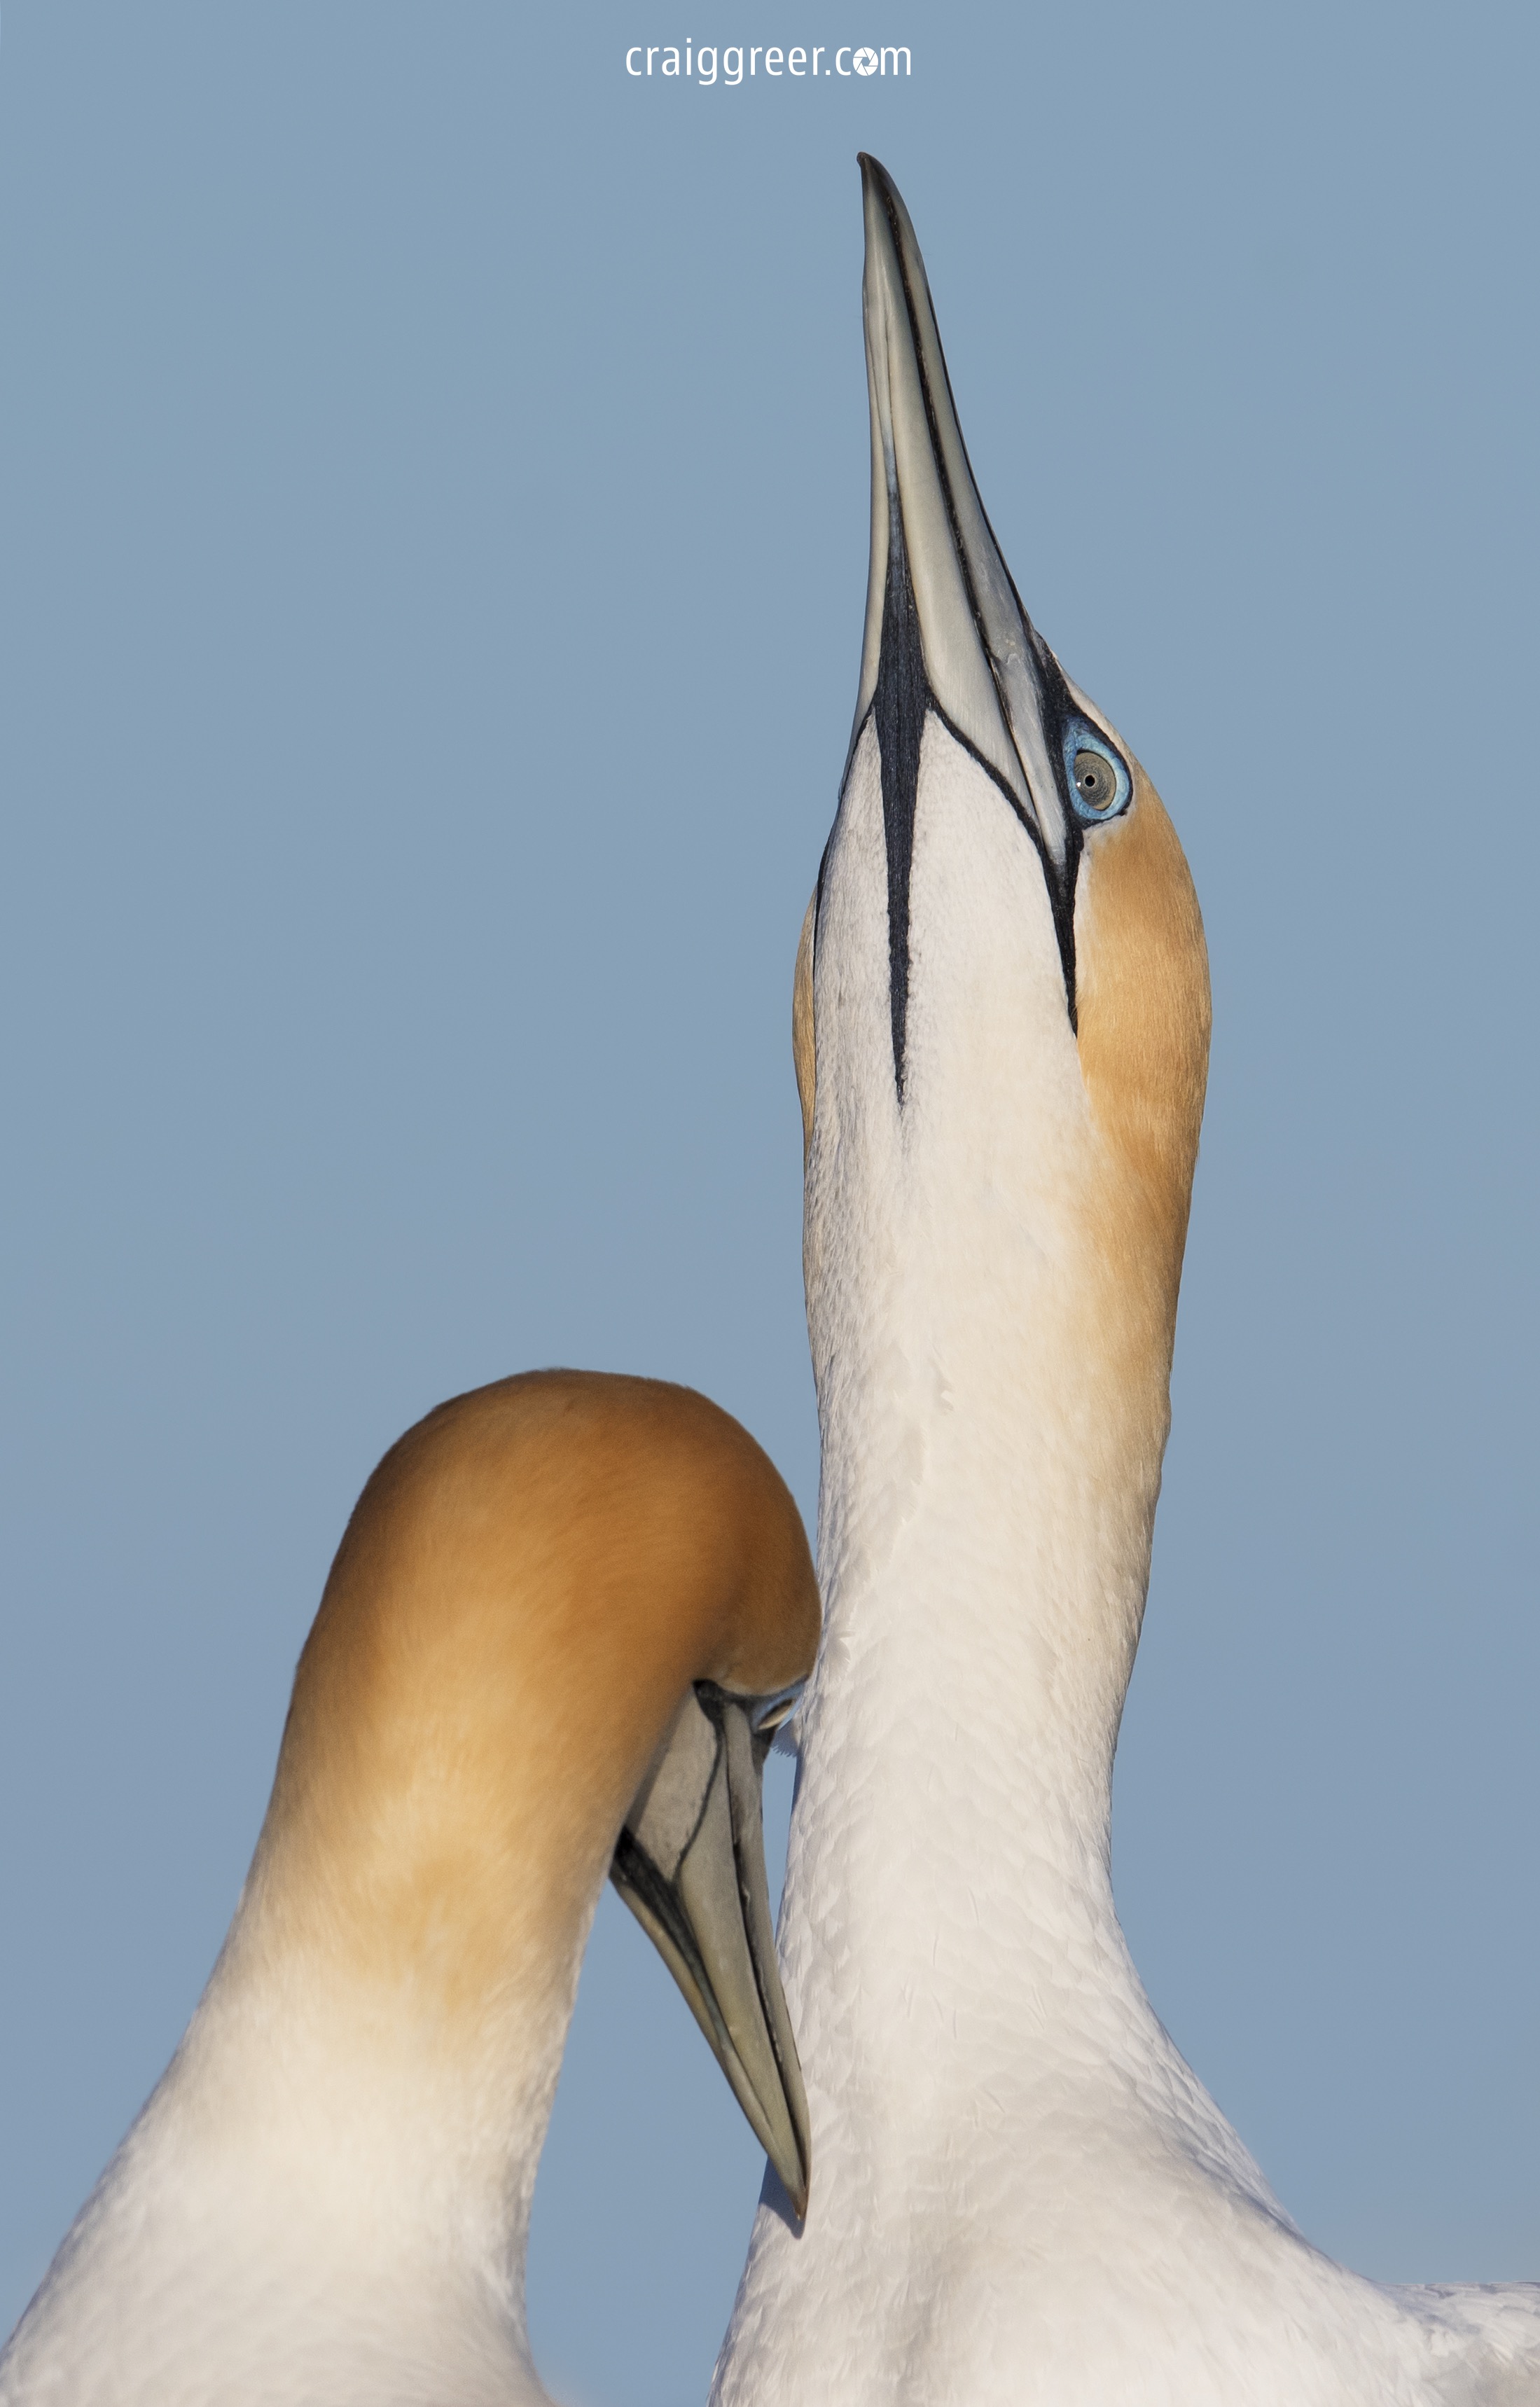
(709, 64)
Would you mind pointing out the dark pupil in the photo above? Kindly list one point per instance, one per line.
(1095, 779)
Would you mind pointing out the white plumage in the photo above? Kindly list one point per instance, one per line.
(1024, 2198)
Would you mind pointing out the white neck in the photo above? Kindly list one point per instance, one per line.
(990, 1466)
(982, 1613)
(320, 2198)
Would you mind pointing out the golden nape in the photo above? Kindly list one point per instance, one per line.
(565, 1619)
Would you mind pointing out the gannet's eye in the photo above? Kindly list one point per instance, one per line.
(1095, 782)
(1099, 783)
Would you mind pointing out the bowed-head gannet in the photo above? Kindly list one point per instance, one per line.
(1025, 2199)
(565, 1618)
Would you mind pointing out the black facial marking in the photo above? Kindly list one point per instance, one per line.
(899, 706)
(902, 697)
(1057, 710)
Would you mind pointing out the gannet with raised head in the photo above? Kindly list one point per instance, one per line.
(1000, 1024)
(565, 1618)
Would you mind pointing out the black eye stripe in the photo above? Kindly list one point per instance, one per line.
(899, 706)
(898, 711)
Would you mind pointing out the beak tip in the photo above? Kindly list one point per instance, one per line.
(796, 2191)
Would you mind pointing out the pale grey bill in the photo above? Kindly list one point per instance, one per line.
(690, 1863)
(981, 656)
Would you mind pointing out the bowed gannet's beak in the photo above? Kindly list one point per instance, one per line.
(690, 1863)
(946, 630)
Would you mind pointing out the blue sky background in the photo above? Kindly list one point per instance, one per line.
(432, 508)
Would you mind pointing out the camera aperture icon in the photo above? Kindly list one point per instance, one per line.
(864, 63)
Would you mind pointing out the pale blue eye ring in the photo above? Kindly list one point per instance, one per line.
(1099, 782)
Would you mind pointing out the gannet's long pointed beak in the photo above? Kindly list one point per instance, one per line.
(690, 1863)
(944, 626)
